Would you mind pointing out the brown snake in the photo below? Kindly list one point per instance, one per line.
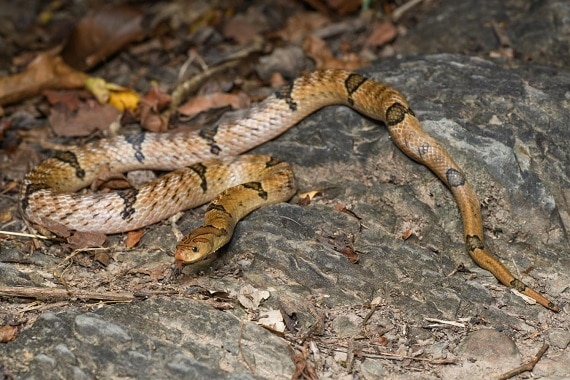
(210, 165)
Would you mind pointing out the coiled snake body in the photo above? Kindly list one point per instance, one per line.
(211, 165)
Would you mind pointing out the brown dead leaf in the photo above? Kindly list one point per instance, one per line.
(150, 107)
(302, 24)
(406, 234)
(133, 238)
(304, 201)
(343, 7)
(74, 117)
(80, 239)
(318, 50)
(8, 333)
(55, 228)
(102, 257)
(5, 124)
(102, 33)
(46, 71)
(107, 179)
(216, 100)
(350, 254)
(382, 33)
(240, 30)
(6, 214)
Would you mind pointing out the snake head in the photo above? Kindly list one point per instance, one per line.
(192, 249)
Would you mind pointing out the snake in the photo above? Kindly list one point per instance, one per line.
(209, 165)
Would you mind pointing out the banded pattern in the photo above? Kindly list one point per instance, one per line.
(46, 190)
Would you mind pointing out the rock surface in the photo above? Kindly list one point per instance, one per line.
(508, 129)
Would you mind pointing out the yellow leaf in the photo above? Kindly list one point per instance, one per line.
(125, 99)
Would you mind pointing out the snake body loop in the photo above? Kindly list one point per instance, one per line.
(209, 166)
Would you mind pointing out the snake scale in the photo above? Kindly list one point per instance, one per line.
(207, 163)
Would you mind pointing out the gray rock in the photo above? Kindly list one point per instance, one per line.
(538, 31)
(559, 338)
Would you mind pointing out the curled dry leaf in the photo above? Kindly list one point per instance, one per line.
(150, 107)
(350, 254)
(250, 297)
(46, 71)
(133, 238)
(273, 320)
(216, 100)
(343, 7)
(8, 333)
(102, 33)
(81, 118)
(79, 240)
(382, 33)
(118, 96)
(318, 50)
(302, 24)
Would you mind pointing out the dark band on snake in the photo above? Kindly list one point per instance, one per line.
(200, 169)
(285, 94)
(136, 140)
(257, 187)
(272, 162)
(30, 189)
(454, 177)
(395, 114)
(218, 207)
(209, 135)
(129, 198)
(70, 158)
(352, 83)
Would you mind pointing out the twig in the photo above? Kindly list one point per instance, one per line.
(389, 356)
(249, 365)
(10, 233)
(67, 294)
(452, 323)
(527, 366)
(404, 8)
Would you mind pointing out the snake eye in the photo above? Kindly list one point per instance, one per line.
(194, 249)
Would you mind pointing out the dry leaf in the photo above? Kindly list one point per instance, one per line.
(8, 333)
(81, 118)
(102, 257)
(240, 30)
(310, 194)
(300, 25)
(54, 227)
(343, 7)
(250, 297)
(318, 50)
(133, 238)
(124, 100)
(407, 233)
(81, 239)
(350, 254)
(382, 33)
(150, 108)
(216, 100)
(46, 71)
(118, 96)
(102, 33)
(273, 320)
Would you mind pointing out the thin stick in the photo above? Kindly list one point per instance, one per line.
(527, 366)
(67, 294)
(10, 233)
(249, 365)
